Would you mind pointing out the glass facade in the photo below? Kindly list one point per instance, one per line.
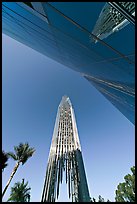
(63, 32)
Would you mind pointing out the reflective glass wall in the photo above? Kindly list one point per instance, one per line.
(63, 32)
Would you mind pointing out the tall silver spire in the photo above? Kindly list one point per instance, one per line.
(65, 155)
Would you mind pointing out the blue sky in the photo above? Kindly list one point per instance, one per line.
(32, 88)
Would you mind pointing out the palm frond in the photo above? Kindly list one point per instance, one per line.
(20, 192)
(19, 150)
(12, 155)
(22, 152)
(27, 154)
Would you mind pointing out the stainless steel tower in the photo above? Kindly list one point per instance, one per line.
(65, 155)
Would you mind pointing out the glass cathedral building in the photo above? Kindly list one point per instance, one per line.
(69, 32)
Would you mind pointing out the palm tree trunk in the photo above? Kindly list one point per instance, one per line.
(12, 174)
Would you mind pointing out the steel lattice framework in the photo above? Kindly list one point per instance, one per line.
(65, 155)
(111, 20)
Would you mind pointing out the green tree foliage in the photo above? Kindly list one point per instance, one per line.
(100, 199)
(4, 160)
(22, 153)
(20, 192)
(126, 191)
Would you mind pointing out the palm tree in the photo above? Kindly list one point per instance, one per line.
(4, 160)
(20, 192)
(22, 153)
